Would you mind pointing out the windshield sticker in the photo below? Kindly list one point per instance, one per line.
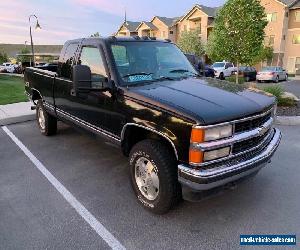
(139, 78)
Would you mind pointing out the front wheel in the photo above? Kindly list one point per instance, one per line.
(153, 172)
(277, 79)
(46, 122)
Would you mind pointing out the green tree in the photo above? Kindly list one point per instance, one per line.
(238, 33)
(266, 54)
(190, 42)
(23, 58)
(95, 34)
(3, 57)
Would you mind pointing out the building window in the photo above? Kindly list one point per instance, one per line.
(296, 39)
(297, 16)
(272, 17)
(269, 40)
(171, 32)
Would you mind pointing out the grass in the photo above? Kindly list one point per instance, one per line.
(233, 79)
(11, 89)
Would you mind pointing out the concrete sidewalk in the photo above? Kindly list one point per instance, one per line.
(17, 112)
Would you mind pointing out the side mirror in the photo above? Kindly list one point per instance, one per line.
(82, 78)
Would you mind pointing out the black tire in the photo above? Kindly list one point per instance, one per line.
(286, 77)
(164, 163)
(49, 127)
(277, 79)
(222, 76)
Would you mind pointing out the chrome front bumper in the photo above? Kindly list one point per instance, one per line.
(205, 179)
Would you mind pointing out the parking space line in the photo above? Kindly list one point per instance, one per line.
(80, 209)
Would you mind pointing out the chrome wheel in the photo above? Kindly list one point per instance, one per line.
(146, 178)
(41, 118)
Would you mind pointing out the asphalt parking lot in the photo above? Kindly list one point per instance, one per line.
(34, 215)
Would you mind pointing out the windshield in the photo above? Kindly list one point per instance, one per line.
(150, 61)
(218, 65)
(268, 69)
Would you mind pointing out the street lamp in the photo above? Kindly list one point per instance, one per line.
(37, 26)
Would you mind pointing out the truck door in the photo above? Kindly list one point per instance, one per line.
(90, 109)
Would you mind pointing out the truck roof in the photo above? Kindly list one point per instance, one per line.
(120, 38)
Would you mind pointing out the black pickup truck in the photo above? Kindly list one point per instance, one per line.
(181, 131)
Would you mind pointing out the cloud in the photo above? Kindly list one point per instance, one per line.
(114, 7)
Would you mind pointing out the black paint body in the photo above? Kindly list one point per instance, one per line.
(168, 108)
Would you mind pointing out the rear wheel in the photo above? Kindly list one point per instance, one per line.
(222, 76)
(154, 178)
(46, 122)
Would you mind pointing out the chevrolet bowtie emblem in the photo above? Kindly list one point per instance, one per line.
(262, 130)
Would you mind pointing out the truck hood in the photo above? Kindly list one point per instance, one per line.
(206, 101)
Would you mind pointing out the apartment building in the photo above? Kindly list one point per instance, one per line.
(282, 31)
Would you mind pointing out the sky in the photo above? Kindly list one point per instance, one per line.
(62, 20)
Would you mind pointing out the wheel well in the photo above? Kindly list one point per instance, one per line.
(135, 134)
(35, 95)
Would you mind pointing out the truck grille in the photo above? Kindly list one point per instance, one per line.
(251, 124)
(243, 157)
(239, 147)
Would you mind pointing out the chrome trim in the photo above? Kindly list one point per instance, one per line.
(207, 146)
(150, 129)
(217, 172)
(235, 121)
(88, 125)
(45, 75)
(49, 106)
(232, 155)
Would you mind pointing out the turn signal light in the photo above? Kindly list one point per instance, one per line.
(197, 135)
(195, 156)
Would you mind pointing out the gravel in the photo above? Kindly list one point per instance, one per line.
(289, 111)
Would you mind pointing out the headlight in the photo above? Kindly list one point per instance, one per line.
(200, 135)
(216, 133)
(211, 134)
(216, 154)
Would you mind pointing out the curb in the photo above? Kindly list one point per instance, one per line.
(288, 120)
(17, 119)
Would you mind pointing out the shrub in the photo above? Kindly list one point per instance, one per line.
(278, 91)
(287, 102)
(233, 79)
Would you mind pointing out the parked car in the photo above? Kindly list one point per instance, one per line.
(248, 73)
(223, 69)
(199, 65)
(8, 67)
(3, 69)
(179, 130)
(272, 73)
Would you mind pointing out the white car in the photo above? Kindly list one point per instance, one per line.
(8, 67)
(272, 73)
(223, 69)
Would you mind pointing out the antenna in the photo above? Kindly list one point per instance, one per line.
(125, 17)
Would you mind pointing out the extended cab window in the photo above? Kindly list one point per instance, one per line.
(91, 56)
(68, 61)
